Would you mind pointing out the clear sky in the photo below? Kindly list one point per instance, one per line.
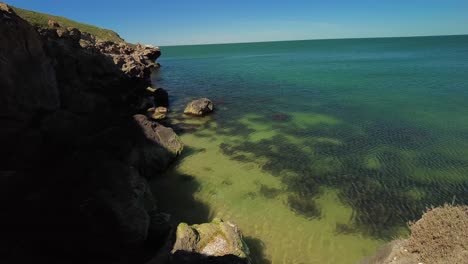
(180, 22)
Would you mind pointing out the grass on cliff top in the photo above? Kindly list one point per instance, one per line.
(41, 20)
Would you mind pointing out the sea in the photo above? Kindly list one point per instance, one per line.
(321, 151)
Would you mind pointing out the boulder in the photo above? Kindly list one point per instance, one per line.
(217, 242)
(157, 146)
(199, 107)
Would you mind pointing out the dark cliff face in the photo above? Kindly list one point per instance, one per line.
(70, 182)
(27, 77)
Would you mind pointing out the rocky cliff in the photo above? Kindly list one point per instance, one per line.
(73, 151)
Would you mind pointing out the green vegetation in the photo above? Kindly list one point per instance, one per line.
(41, 20)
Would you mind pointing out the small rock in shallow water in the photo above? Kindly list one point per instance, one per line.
(199, 107)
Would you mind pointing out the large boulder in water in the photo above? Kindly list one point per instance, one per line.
(199, 107)
(215, 242)
(156, 147)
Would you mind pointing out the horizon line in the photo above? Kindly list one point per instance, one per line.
(291, 40)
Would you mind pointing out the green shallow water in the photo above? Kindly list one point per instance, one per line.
(319, 150)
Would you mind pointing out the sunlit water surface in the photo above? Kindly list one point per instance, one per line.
(320, 151)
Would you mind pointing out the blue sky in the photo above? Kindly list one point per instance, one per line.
(180, 22)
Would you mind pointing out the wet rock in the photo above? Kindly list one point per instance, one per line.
(217, 242)
(199, 107)
(157, 147)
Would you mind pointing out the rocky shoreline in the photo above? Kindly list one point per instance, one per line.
(78, 147)
(80, 140)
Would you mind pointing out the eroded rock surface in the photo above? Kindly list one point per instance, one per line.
(134, 60)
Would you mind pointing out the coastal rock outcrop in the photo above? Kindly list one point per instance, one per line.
(199, 107)
(215, 242)
(134, 60)
(439, 237)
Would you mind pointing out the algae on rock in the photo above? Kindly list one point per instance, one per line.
(208, 240)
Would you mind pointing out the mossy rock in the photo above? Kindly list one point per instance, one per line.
(215, 239)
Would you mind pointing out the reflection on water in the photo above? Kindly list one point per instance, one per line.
(308, 167)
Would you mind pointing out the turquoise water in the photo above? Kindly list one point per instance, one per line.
(319, 147)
